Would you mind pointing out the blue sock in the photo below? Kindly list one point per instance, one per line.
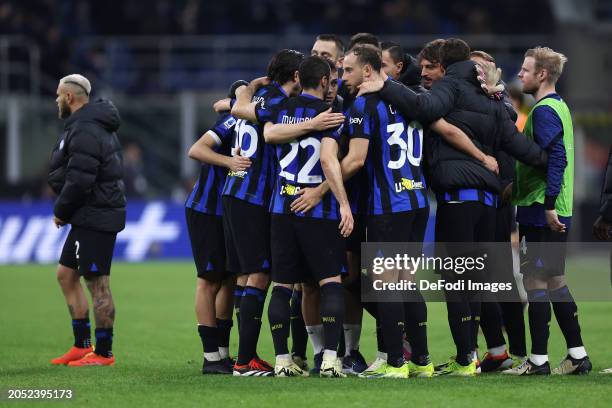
(82, 332)
(104, 342)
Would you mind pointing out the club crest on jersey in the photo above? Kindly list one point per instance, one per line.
(240, 174)
(408, 185)
(289, 190)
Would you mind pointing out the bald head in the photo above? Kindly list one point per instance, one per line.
(72, 93)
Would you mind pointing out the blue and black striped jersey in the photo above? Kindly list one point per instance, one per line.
(396, 180)
(356, 186)
(206, 194)
(298, 162)
(254, 185)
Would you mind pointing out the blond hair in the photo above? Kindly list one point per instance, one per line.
(548, 59)
(79, 81)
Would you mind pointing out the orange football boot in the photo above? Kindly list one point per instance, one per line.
(75, 353)
(93, 359)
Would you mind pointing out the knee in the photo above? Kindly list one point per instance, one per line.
(207, 287)
(67, 276)
(279, 308)
(309, 290)
(259, 280)
(556, 282)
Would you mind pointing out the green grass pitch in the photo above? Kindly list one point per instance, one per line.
(159, 354)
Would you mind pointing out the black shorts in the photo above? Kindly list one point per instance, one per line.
(542, 251)
(247, 236)
(463, 225)
(88, 251)
(207, 244)
(505, 223)
(306, 249)
(353, 242)
(406, 226)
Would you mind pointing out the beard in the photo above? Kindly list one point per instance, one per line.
(64, 110)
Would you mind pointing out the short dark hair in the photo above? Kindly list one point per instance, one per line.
(431, 51)
(312, 70)
(482, 54)
(363, 38)
(332, 65)
(396, 52)
(333, 38)
(283, 65)
(368, 54)
(454, 50)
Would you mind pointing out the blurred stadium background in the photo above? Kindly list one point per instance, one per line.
(164, 62)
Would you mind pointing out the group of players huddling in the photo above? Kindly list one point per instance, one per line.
(324, 148)
(303, 166)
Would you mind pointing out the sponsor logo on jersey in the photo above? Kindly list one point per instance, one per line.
(289, 190)
(240, 174)
(408, 185)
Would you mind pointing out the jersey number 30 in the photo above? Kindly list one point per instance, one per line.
(406, 140)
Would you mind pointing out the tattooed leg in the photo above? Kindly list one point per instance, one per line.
(104, 308)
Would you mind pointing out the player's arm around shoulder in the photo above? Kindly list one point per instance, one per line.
(203, 150)
(244, 108)
(277, 133)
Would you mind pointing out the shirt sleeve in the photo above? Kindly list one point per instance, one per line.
(267, 110)
(548, 134)
(223, 129)
(358, 120)
(426, 107)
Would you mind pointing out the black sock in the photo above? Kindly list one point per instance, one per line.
(104, 342)
(491, 324)
(460, 322)
(566, 313)
(279, 316)
(299, 337)
(332, 313)
(82, 332)
(391, 317)
(513, 320)
(209, 336)
(371, 308)
(251, 309)
(341, 345)
(380, 338)
(224, 329)
(238, 292)
(415, 314)
(475, 325)
(539, 320)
